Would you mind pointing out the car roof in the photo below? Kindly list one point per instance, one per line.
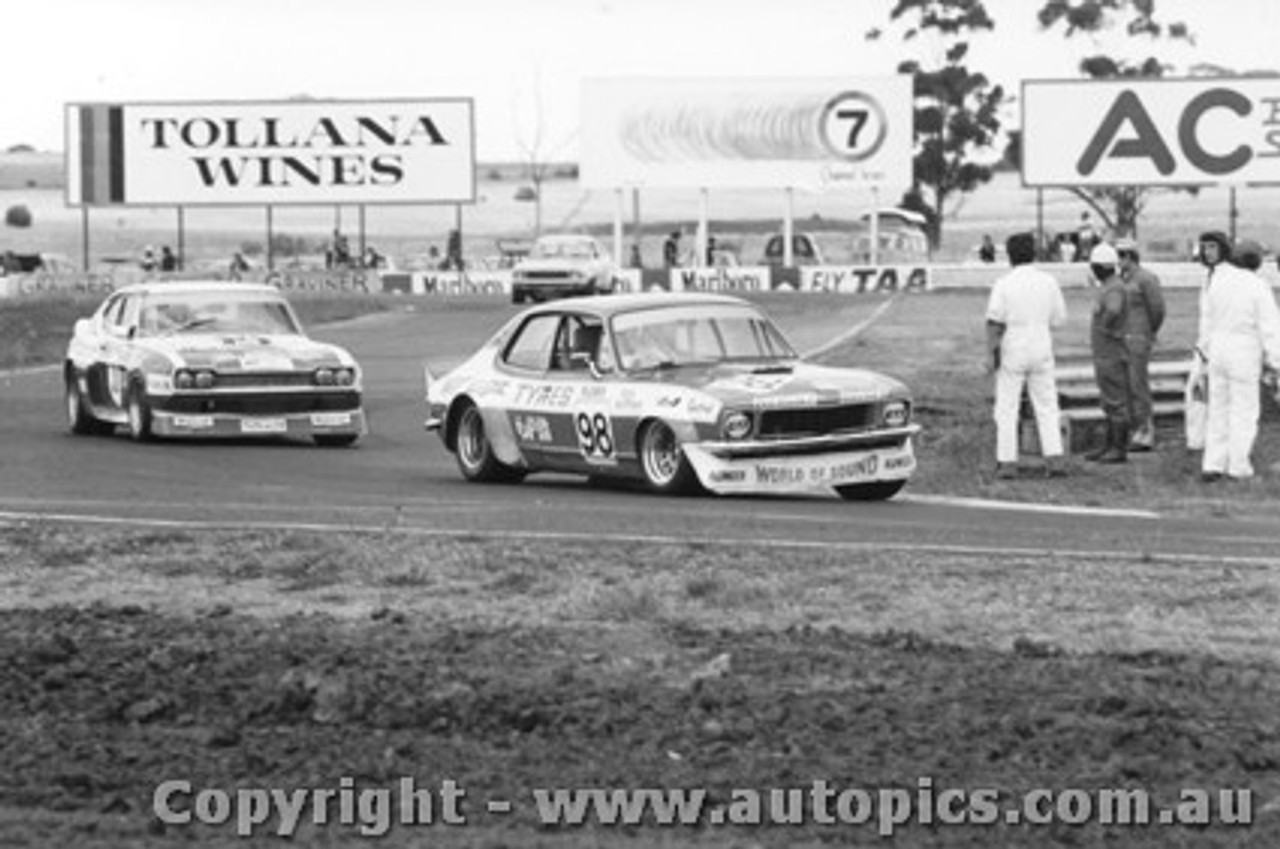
(610, 305)
(151, 287)
(567, 237)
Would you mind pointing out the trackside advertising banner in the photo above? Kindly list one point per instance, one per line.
(1201, 131)
(271, 152)
(823, 133)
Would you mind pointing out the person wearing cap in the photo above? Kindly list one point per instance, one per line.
(1145, 316)
(1108, 341)
(1025, 304)
(1239, 331)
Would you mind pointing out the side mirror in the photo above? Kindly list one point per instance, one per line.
(82, 327)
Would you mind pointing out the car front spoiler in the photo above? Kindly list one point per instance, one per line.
(886, 438)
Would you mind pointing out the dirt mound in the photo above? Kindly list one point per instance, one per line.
(102, 705)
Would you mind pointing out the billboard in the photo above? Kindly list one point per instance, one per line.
(251, 153)
(814, 133)
(1173, 132)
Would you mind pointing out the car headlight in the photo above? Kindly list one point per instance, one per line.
(184, 379)
(323, 377)
(896, 414)
(204, 379)
(736, 425)
(344, 376)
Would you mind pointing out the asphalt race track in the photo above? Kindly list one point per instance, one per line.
(400, 476)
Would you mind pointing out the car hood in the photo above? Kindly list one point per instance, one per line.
(226, 352)
(796, 383)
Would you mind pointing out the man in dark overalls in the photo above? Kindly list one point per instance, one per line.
(1111, 354)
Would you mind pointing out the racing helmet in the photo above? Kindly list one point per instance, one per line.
(1248, 254)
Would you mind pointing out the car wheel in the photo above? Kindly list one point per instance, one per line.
(79, 419)
(878, 491)
(139, 414)
(335, 440)
(475, 455)
(666, 469)
(517, 296)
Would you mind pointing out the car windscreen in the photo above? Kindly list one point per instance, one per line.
(166, 314)
(684, 335)
(576, 250)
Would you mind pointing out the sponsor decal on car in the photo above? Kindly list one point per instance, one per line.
(532, 429)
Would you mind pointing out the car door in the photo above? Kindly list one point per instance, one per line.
(558, 412)
(117, 349)
(98, 348)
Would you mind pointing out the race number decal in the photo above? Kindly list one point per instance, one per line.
(853, 126)
(595, 436)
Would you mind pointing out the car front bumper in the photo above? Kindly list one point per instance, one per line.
(797, 472)
(315, 423)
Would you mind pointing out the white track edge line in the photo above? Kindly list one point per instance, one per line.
(11, 518)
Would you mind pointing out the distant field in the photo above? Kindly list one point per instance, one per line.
(740, 219)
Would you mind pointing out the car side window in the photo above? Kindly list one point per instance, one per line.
(533, 343)
(111, 310)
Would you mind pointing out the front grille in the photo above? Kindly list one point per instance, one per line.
(261, 403)
(816, 421)
(242, 379)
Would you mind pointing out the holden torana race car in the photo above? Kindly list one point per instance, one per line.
(560, 265)
(679, 391)
(208, 359)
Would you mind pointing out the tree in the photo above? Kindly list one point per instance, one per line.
(956, 110)
(1135, 21)
(535, 149)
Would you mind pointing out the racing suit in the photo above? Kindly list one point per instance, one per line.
(1239, 326)
(1028, 303)
(1145, 316)
(1111, 365)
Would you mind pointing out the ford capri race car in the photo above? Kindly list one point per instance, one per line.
(679, 391)
(208, 359)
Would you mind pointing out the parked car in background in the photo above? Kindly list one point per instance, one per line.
(900, 237)
(804, 250)
(680, 392)
(562, 265)
(207, 359)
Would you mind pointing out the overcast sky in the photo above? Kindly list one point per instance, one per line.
(519, 59)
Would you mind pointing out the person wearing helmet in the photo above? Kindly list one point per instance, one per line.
(1107, 339)
(1146, 315)
(1024, 305)
(1239, 331)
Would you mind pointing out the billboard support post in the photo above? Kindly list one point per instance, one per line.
(270, 238)
(636, 229)
(875, 224)
(788, 228)
(704, 207)
(182, 237)
(619, 205)
(84, 236)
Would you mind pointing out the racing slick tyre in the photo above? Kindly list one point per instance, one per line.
(877, 491)
(139, 414)
(79, 419)
(335, 440)
(666, 470)
(475, 455)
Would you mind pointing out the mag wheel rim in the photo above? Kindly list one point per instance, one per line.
(661, 455)
(471, 441)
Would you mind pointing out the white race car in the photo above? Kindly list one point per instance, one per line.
(208, 359)
(679, 391)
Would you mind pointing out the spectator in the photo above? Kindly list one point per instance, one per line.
(453, 251)
(671, 250)
(1239, 330)
(1025, 304)
(1108, 341)
(239, 265)
(987, 250)
(148, 261)
(1086, 238)
(168, 261)
(1145, 316)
